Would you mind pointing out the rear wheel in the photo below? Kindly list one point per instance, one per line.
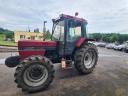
(86, 58)
(34, 74)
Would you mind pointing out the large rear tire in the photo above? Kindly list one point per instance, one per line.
(35, 73)
(86, 58)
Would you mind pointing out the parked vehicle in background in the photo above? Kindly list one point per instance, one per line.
(100, 44)
(110, 46)
(96, 43)
(126, 47)
(119, 47)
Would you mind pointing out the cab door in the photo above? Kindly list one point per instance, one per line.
(73, 33)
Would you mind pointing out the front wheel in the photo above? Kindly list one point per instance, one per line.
(86, 58)
(34, 74)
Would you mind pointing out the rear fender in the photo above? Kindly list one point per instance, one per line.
(81, 41)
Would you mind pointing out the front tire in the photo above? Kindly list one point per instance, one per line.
(35, 73)
(86, 58)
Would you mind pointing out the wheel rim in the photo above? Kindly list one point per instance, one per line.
(89, 59)
(35, 75)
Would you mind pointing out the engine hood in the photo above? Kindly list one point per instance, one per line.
(34, 43)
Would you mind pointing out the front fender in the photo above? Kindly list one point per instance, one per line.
(26, 53)
(12, 61)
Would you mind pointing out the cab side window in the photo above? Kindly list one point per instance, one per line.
(74, 30)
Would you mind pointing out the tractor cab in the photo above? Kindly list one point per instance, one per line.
(68, 32)
(68, 28)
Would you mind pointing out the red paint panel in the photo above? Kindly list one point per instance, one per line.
(80, 41)
(25, 53)
(28, 43)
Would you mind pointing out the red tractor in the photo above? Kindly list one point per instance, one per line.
(69, 45)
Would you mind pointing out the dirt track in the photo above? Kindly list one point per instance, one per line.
(108, 79)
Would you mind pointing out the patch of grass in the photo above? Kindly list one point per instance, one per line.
(2, 37)
(8, 43)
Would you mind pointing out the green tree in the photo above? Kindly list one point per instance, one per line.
(7, 33)
(113, 37)
(110, 37)
(47, 35)
(97, 36)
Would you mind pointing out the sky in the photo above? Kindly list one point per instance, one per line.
(104, 16)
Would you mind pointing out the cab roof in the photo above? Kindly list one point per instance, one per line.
(64, 16)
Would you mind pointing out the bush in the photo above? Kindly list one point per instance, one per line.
(109, 37)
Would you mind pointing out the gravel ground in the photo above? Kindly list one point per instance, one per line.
(108, 79)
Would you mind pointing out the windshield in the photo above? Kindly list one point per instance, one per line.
(58, 31)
